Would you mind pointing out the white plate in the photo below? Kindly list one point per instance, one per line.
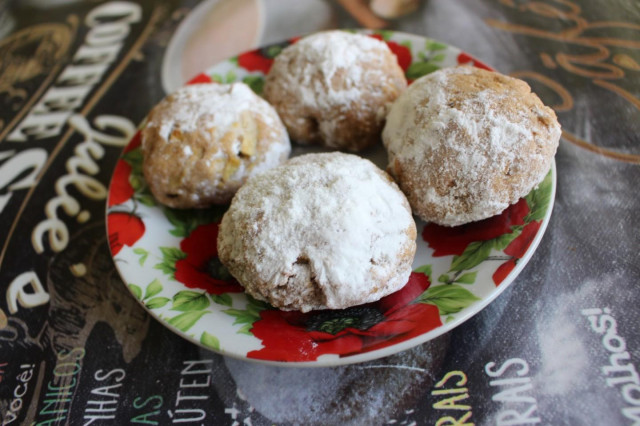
(167, 258)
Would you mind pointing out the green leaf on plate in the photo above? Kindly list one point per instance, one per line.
(188, 300)
(210, 341)
(157, 302)
(254, 307)
(223, 299)
(385, 34)
(273, 51)
(434, 45)
(230, 77)
(217, 78)
(136, 177)
(501, 242)
(255, 82)
(181, 223)
(146, 199)
(242, 317)
(153, 288)
(144, 254)
(449, 299)
(418, 69)
(134, 159)
(444, 278)
(438, 58)
(538, 200)
(246, 317)
(185, 221)
(468, 278)
(170, 255)
(137, 183)
(475, 253)
(137, 291)
(186, 320)
(424, 269)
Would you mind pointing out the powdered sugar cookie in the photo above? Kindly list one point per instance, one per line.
(334, 88)
(203, 141)
(465, 143)
(321, 231)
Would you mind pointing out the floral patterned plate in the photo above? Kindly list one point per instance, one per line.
(168, 258)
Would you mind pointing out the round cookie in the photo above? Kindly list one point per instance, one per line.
(334, 88)
(465, 143)
(322, 231)
(203, 141)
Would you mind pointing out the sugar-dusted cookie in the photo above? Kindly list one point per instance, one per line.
(321, 231)
(465, 143)
(203, 141)
(333, 88)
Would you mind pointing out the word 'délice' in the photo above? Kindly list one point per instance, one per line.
(83, 160)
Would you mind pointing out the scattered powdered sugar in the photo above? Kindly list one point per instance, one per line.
(371, 393)
(337, 212)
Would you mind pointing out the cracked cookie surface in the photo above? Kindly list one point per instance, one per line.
(322, 231)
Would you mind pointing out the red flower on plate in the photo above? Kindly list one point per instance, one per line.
(294, 336)
(503, 270)
(403, 54)
(200, 78)
(120, 189)
(124, 230)
(201, 268)
(261, 60)
(135, 142)
(516, 250)
(454, 240)
(257, 60)
(518, 247)
(466, 59)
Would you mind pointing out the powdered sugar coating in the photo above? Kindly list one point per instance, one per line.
(321, 231)
(335, 88)
(464, 143)
(203, 141)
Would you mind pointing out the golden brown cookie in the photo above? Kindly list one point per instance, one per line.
(321, 231)
(203, 141)
(464, 143)
(334, 88)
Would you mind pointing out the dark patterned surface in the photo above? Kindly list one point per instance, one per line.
(86, 350)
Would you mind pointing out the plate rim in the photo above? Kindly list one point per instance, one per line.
(334, 360)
